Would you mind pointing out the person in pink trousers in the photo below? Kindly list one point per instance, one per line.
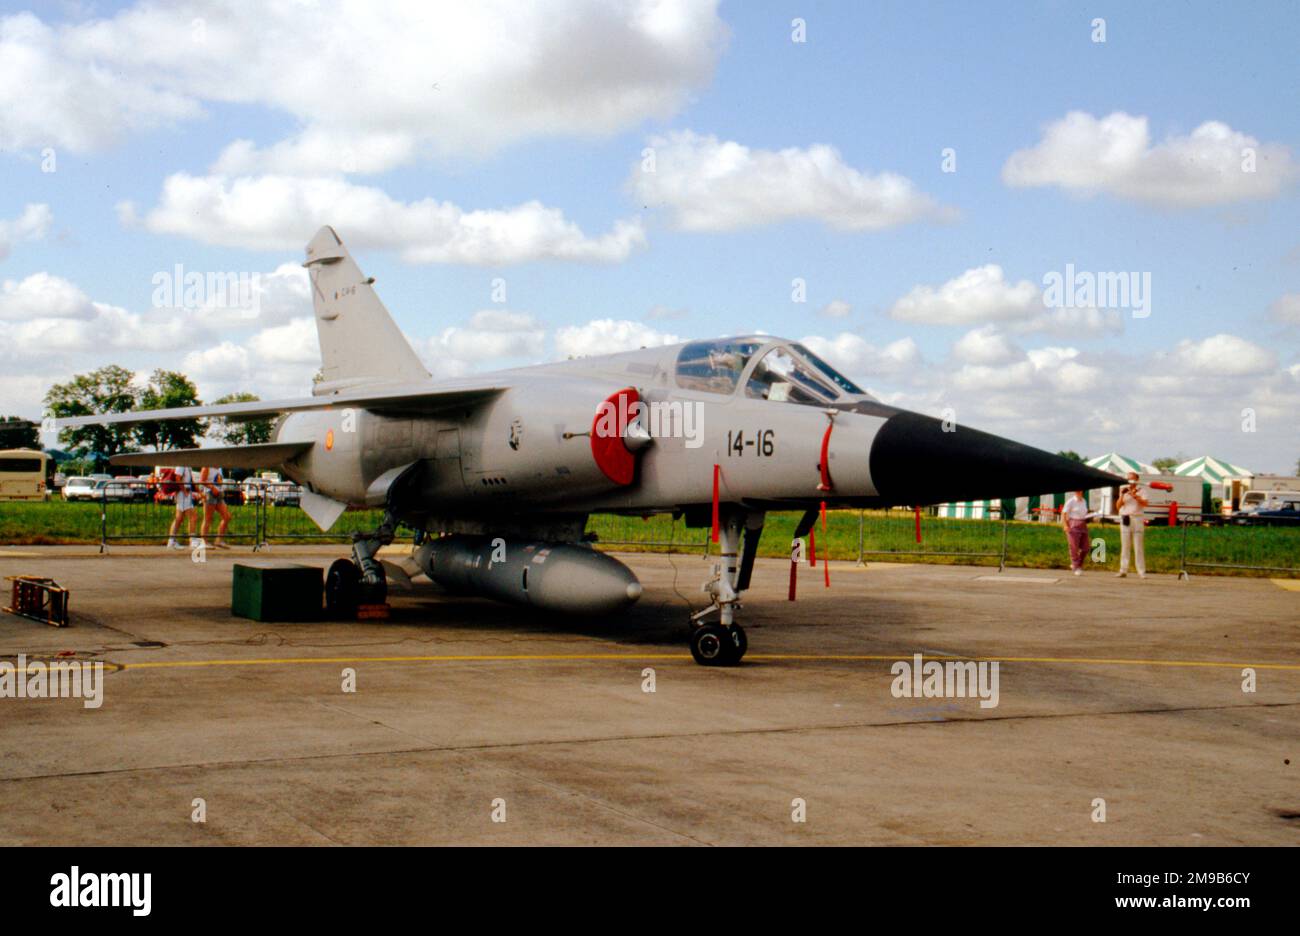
(1074, 518)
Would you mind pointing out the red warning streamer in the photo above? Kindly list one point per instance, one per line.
(826, 560)
(794, 567)
(824, 466)
(717, 473)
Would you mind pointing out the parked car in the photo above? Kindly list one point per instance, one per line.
(284, 495)
(80, 489)
(253, 489)
(128, 489)
(1282, 513)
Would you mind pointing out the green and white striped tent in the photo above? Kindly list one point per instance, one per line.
(1119, 464)
(1021, 508)
(971, 510)
(1214, 470)
(1217, 476)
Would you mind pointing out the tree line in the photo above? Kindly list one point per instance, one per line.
(112, 389)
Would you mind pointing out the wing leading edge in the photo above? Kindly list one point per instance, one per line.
(423, 399)
(235, 456)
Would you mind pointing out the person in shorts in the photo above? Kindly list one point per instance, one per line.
(211, 483)
(183, 479)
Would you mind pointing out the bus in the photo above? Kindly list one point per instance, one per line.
(23, 474)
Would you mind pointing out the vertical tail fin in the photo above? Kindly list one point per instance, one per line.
(359, 341)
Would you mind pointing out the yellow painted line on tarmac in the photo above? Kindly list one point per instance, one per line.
(1288, 584)
(5, 554)
(626, 657)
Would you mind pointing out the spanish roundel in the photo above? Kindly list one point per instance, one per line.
(607, 429)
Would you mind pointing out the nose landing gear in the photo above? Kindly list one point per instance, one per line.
(725, 643)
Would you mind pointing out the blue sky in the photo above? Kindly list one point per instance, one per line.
(888, 85)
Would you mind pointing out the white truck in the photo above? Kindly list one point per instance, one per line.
(1185, 492)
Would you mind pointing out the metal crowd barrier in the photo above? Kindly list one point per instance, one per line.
(262, 514)
(1247, 544)
(284, 521)
(648, 532)
(143, 511)
(920, 533)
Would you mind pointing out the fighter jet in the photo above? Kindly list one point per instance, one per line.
(497, 473)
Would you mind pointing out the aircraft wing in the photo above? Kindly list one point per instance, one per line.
(235, 456)
(421, 398)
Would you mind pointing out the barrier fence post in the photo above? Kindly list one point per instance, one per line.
(259, 520)
(1182, 558)
(103, 518)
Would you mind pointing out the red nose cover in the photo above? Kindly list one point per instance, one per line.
(607, 448)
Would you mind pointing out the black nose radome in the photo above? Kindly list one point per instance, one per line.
(914, 461)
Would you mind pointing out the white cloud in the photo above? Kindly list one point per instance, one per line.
(1114, 154)
(1225, 356)
(836, 308)
(54, 91)
(854, 355)
(42, 296)
(1286, 308)
(370, 92)
(33, 224)
(983, 295)
(714, 185)
(283, 212)
(491, 334)
(295, 342)
(977, 296)
(985, 346)
(605, 336)
(225, 362)
(1073, 322)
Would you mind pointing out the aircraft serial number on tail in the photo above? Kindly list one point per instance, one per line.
(763, 443)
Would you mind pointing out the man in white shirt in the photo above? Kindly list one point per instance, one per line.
(1074, 518)
(1131, 504)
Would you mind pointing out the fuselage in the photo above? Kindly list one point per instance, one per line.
(530, 448)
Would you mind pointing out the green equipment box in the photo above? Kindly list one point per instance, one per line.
(277, 591)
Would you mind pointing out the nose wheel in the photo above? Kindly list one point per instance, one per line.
(716, 645)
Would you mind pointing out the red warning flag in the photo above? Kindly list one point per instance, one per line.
(826, 558)
(717, 472)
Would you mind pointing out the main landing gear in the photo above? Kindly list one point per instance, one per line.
(360, 580)
(724, 643)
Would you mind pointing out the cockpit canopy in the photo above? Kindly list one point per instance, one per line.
(772, 369)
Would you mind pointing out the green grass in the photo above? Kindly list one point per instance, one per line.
(886, 536)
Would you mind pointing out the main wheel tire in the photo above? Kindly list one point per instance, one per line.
(342, 588)
(715, 645)
(739, 641)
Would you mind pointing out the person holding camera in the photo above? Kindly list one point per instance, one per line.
(1132, 504)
